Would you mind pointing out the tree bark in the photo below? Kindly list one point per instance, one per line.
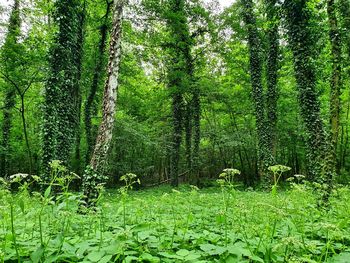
(90, 139)
(104, 136)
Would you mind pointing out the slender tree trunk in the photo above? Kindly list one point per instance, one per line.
(99, 158)
(196, 132)
(99, 65)
(188, 138)
(177, 137)
(24, 123)
(104, 136)
(272, 72)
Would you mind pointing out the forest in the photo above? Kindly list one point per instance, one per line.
(174, 131)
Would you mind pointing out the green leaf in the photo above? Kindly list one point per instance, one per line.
(95, 256)
(130, 259)
(21, 205)
(105, 259)
(47, 192)
(340, 258)
(37, 254)
(182, 252)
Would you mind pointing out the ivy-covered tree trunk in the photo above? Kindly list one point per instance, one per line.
(272, 71)
(196, 132)
(96, 79)
(78, 97)
(9, 65)
(265, 158)
(344, 21)
(302, 41)
(61, 94)
(95, 174)
(335, 40)
(179, 77)
(188, 132)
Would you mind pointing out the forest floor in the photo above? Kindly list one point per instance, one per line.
(183, 225)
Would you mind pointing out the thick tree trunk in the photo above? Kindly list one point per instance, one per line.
(62, 88)
(302, 42)
(179, 75)
(265, 158)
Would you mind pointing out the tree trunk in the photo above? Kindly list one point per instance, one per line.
(9, 65)
(255, 59)
(272, 72)
(78, 96)
(180, 78)
(334, 36)
(302, 42)
(196, 132)
(99, 158)
(90, 139)
(62, 88)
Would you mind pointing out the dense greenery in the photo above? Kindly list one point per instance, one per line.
(100, 95)
(193, 87)
(184, 225)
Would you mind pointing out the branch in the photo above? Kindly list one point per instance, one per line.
(10, 80)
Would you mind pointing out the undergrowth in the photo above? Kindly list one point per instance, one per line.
(183, 225)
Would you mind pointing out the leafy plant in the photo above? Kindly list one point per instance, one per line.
(277, 171)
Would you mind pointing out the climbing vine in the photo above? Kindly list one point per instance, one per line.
(272, 12)
(9, 67)
(302, 38)
(62, 88)
(265, 158)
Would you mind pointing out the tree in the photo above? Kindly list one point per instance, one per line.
(10, 68)
(97, 74)
(179, 81)
(272, 71)
(265, 158)
(62, 88)
(334, 37)
(302, 39)
(95, 173)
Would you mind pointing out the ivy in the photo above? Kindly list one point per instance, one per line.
(62, 87)
(302, 40)
(265, 157)
(9, 68)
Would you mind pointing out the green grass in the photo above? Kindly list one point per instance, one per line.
(162, 225)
